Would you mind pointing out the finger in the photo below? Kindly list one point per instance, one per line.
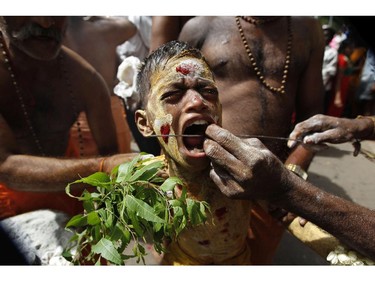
(333, 135)
(357, 147)
(221, 157)
(217, 153)
(304, 128)
(225, 183)
(225, 138)
(302, 221)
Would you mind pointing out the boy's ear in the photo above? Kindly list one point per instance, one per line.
(142, 123)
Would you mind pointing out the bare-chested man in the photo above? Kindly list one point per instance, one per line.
(43, 87)
(268, 72)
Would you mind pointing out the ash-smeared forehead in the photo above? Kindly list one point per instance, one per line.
(190, 67)
(158, 59)
(181, 67)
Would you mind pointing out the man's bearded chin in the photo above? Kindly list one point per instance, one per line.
(34, 30)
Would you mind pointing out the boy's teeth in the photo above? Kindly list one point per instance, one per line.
(199, 122)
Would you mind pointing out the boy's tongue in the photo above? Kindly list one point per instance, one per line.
(194, 142)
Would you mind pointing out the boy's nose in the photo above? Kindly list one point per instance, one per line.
(196, 101)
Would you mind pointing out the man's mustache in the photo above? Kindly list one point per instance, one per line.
(34, 29)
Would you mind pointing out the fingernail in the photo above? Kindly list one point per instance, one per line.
(291, 143)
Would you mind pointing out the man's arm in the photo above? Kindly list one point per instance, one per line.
(165, 29)
(310, 92)
(33, 173)
(239, 165)
(99, 116)
(45, 174)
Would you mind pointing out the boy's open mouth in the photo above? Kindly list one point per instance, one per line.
(197, 131)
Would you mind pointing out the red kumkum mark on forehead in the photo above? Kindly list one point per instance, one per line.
(164, 130)
(185, 69)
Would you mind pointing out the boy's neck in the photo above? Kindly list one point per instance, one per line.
(196, 182)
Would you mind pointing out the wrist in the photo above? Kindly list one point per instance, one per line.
(101, 164)
(369, 129)
(297, 170)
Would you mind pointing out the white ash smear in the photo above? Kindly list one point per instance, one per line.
(167, 119)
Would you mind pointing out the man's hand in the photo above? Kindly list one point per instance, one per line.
(243, 168)
(320, 129)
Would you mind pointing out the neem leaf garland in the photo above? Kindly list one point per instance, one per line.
(134, 203)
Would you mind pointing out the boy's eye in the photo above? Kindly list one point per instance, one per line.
(172, 96)
(210, 92)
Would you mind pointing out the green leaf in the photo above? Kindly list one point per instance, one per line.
(97, 179)
(179, 220)
(146, 172)
(196, 211)
(108, 219)
(124, 171)
(176, 203)
(107, 250)
(135, 224)
(119, 232)
(93, 218)
(88, 206)
(141, 209)
(96, 233)
(129, 204)
(77, 221)
(170, 183)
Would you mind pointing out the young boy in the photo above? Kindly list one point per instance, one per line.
(179, 100)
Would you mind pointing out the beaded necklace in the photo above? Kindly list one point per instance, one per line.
(254, 64)
(259, 20)
(22, 102)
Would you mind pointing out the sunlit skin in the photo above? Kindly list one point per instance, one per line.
(183, 92)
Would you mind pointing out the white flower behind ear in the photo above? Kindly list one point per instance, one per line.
(127, 75)
(128, 70)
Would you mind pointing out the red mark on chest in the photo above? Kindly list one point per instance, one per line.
(185, 69)
(219, 213)
(164, 130)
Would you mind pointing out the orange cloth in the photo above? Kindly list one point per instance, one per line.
(17, 202)
(124, 136)
(265, 233)
(90, 148)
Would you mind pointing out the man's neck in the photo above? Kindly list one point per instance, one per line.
(23, 61)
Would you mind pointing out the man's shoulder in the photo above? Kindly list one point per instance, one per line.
(85, 78)
(76, 60)
(80, 68)
(197, 29)
(209, 21)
